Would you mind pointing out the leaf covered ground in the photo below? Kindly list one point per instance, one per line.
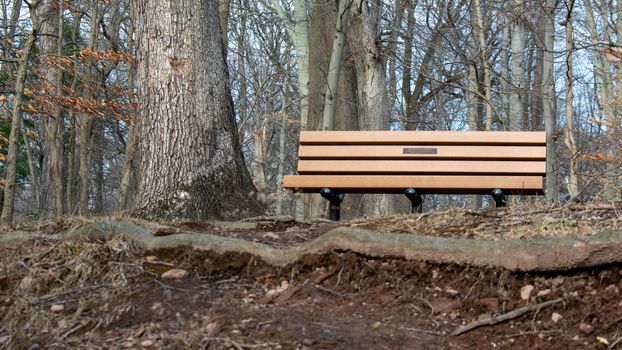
(100, 294)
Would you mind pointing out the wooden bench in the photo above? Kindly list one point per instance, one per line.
(419, 162)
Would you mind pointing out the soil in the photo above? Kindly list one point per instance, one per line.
(110, 294)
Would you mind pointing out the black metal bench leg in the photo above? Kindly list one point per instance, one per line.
(335, 199)
(499, 197)
(416, 201)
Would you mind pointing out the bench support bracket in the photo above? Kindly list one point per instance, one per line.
(499, 197)
(415, 199)
(335, 199)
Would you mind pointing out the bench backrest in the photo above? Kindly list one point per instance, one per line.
(422, 152)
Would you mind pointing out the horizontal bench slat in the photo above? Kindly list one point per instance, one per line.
(433, 184)
(424, 137)
(420, 167)
(422, 152)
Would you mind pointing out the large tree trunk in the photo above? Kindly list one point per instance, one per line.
(373, 103)
(606, 101)
(192, 164)
(132, 135)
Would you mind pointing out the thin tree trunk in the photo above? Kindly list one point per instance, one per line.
(298, 32)
(281, 193)
(569, 140)
(505, 75)
(16, 121)
(518, 70)
(132, 135)
(483, 46)
(547, 90)
(32, 167)
(86, 122)
(336, 61)
(223, 13)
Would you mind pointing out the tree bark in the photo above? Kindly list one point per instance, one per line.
(132, 135)
(547, 90)
(517, 67)
(51, 44)
(86, 121)
(334, 68)
(192, 164)
(483, 46)
(16, 121)
(370, 65)
(569, 140)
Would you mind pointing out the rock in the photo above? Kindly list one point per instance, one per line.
(557, 281)
(212, 328)
(147, 343)
(491, 303)
(34, 346)
(386, 298)
(175, 274)
(451, 291)
(271, 235)
(127, 344)
(376, 325)
(26, 282)
(4, 339)
(613, 289)
(444, 305)
(151, 258)
(526, 291)
(602, 340)
(57, 308)
(555, 317)
(585, 328)
(544, 292)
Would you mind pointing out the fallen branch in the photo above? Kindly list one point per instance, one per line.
(504, 317)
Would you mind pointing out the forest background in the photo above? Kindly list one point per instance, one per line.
(76, 132)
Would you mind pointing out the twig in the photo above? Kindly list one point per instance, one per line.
(265, 323)
(419, 330)
(470, 290)
(328, 290)
(532, 332)
(504, 317)
(339, 277)
(74, 329)
(618, 341)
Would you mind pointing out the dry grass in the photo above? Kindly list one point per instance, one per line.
(518, 221)
(77, 275)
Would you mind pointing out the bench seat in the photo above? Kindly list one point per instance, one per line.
(426, 162)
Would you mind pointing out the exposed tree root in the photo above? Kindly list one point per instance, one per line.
(521, 255)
